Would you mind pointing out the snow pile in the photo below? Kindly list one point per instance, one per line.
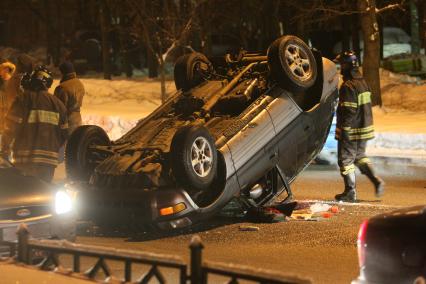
(402, 141)
(115, 126)
(398, 134)
(403, 92)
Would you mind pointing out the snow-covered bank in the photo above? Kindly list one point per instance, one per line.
(131, 99)
(402, 92)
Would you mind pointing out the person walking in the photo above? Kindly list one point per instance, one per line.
(354, 127)
(36, 127)
(71, 92)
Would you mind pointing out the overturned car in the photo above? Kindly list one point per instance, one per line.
(241, 125)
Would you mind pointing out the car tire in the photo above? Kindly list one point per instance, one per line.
(191, 70)
(77, 154)
(194, 158)
(292, 63)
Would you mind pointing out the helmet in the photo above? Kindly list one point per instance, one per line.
(40, 79)
(347, 60)
(26, 81)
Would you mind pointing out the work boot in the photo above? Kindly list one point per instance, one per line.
(349, 195)
(379, 184)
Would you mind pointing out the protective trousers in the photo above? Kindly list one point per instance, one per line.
(351, 153)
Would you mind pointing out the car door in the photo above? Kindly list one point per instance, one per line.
(249, 147)
(290, 141)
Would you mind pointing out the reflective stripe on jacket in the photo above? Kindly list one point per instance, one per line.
(354, 113)
(37, 123)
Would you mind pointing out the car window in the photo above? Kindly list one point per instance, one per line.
(4, 164)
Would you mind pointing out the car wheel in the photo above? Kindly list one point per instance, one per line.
(191, 70)
(292, 63)
(79, 159)
(194, 158)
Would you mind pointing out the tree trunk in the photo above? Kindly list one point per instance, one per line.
(382, 42)
(163, 81)
(300, 29)
(422, 23)
(58, 34)
(105, 18)
(414, 20)
(355, 36)
(49, 33)
(371, 35)
(152, 64)
(346, 23)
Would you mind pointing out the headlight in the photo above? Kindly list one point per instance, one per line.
(63, 202)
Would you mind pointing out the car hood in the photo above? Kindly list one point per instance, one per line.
(17, 190)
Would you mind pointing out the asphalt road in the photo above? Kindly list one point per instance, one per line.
(324, 251)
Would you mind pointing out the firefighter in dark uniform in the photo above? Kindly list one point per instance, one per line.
(36, 127)
(71, 92)
(354, 127)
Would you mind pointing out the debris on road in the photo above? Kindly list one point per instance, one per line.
(314, 212)
(286, 208)
(248, 228)
(303, 214)
(264, 215)
(272, 214)
(282, 212)
(319, 207)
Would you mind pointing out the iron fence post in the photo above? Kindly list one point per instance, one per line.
(196, 247)
(23, 237)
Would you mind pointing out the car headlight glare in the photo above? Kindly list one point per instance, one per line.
(63, 202)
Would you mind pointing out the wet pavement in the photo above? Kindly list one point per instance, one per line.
(324, 251)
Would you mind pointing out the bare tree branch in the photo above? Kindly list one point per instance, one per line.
(391, 6)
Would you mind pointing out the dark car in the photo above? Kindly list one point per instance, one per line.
(392, 247)
(240, 125)
(47, 211)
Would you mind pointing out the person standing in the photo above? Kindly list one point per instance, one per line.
(36, 127)
(354, 127)
(71, 92)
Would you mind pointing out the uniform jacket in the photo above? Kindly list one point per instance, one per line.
(71, 92)
(37, 125)
(354, 113)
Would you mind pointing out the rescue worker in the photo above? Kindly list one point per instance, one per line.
(354, 127)
(71, 92)
(36, 126)
(6, 72)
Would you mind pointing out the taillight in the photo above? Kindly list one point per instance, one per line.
(361, 243)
